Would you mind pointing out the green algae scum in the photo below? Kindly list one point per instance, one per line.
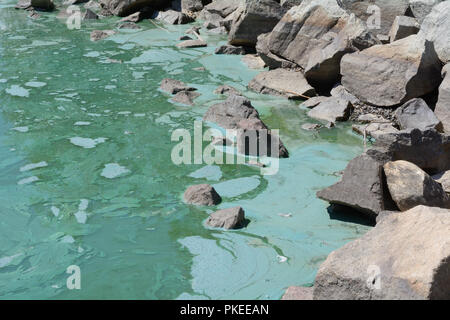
(87, 180)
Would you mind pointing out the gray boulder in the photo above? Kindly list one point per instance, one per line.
(298, 293)
(416, 114)
(403, 27)
(227, 90)
(282, 82)
(391, 74)
(410, 186)
(406, 256)
(97, 35)
(442, 109)
(123, 8)
(421, 8)
(222, 8)
(232, 218)
(173, 86)
(332, 109)
(271, 60)
(238, 113)
(173, 17)
(229, 49)
(435, 28)
(254, 18)
(193, 5)
(185, 97)
(202, 195)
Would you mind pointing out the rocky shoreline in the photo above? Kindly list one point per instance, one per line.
(389, 76)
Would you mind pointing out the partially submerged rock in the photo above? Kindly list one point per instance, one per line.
(232, 218)
(288, 83)
(230, 49)
(185, 97)
(332, 109)
(416, 114)
(406, 256)
(97, 35)
(174, 86)
(410, 186)
(202, 195)
(192, 44)
(253, 61)
(173, 17)
(227, 90)
(391, 74)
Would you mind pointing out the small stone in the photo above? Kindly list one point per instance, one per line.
(202, 195)
(231, 218)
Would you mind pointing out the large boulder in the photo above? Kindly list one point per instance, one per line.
(202, 195)
(173, 17)
(421, 8)
(193, 5)
(282, 82)
(410, 186)
(255, 17)
(123, 8)
(360, 188)
(435, 28)
(271, 60)
(222, 8)
(332, 110)
(370, 10)
(391, 74)
(442, 109)
(232, 218)
(406, 256)
(316, 35)
(416, 114)
(237, 113)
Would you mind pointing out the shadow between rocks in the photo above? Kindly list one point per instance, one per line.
(347, 214)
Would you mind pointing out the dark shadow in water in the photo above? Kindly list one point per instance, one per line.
(347, 214)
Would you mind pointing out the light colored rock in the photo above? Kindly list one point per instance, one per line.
(410, 186)
(298, 293)
(223, 8)
(403, 27)
(123, 8)
(253, 61)
(444, 179)
(442, 109)
(202, 195)
(232, 218)
(288, 83)
(406, 256)
(173, 86)
(227, 90)
(375, 130)
(416, 114)
(332, 110)
(229, 49)
(173, 17)
(435, 28)
(421, 8)
(192, 44)
(391, 74)
(314, 102)
(185, 97)
(340, 92)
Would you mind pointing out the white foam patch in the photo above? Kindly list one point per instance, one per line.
(92, 54)
(86, 143)
(67, 239)
(33, 166)
(35, 84)
(18, 91)
(55, 211)
(82, 123)
(113, 170)
(20, 129)
(28, 180)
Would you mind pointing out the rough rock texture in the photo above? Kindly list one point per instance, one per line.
(193, 5)
(391, 74)
(185, 97)
(223, 8)
(238, 113)
(123, 8)
(288, 83)
(435, 28)
(232, 218)
(361, 187)
(202, 195)
(410, 186)
(444, 179)
(406, 256)
(227, 90)
(340, 92)
(173, 17)
(90, 15)
(229, 49)
(375, 130)
(442, 109)
(421, 8)
(403, 27)
(97, 35)
(272, 61)
(332, 109)
(253, 61)
(254, 18)
(416, 114)
(173, 86)
(192, 44)
(298, 293)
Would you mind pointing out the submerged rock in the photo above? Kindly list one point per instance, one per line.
(192, 44)
(406, 256)
(97, 35)
(185, 97)
(281, 82)
(229, 49)
(410, 186)
(202, 195)
(232, 218)
(391, 74)
(173, 86)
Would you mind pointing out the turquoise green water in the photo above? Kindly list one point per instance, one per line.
(86, 176)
